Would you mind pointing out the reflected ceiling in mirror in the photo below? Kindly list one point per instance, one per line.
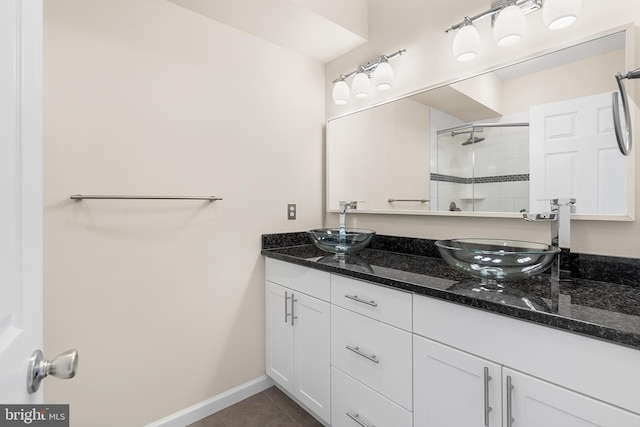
(430, 153)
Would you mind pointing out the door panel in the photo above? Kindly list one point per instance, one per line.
(21, 191)
(536, 403)
(574, 154)
(312, 354)
(449, 387)
(279, 336)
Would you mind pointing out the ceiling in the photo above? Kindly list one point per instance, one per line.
(319, 29)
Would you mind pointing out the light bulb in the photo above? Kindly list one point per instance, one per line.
(509, 26)
(383, 76)
(466, 44)
(558, 14)
(340, 92)
(360, 85)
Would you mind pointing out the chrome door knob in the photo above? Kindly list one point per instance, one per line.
(64, 366)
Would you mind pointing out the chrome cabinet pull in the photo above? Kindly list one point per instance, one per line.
(286, 314)
(355, 298)
(510, 419)
(356, 418)
(357, 351)
(487, 408)
(293, 317)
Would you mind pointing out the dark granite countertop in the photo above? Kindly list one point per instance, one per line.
(600, 309)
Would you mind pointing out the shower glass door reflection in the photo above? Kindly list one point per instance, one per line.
(483, 167)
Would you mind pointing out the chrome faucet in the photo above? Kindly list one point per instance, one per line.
(342, 233)
(560, 218)
(343, 214)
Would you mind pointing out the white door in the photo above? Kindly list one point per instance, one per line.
(20, 195)
(312, 340)
(536, 403)
(453, 388)
(574, 154)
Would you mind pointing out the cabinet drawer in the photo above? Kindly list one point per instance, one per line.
(302, 279)
(350, 398)
(374, 353)
(377, 302)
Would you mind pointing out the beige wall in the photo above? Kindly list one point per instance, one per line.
(590, 76)
(164, 299)
(419, 27)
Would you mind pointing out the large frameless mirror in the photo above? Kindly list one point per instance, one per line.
(492, 145)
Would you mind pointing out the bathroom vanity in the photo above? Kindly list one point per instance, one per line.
(395, 337)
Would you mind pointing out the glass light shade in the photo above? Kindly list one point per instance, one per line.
(360, 85)
(558, 14)
(509, 26)
(340, 92)
(466, 44)
(383, 76)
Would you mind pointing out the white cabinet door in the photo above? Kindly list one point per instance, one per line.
(312, 329)
(453, 388)
(535, 403)
(298, 346)
(279, 332)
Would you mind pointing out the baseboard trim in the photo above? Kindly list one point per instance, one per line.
(216, 403)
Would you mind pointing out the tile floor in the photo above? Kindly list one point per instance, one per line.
(270, 408)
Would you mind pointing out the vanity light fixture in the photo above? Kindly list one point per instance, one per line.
(466, 44)
(509, 24)
(360, 85)
(377, 69)
(558, 14)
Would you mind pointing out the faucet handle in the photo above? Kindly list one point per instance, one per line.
(543, 216)
(563, 202)
(353, 204)
(344, 205)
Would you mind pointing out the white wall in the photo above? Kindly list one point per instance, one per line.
(165, 299)
(419, 27)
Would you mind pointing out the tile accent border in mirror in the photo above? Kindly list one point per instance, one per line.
(479, 179)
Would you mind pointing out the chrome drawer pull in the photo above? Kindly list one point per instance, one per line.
(355, 298)
(356, 418)
(487, 408)
(293, 316)
(510, 418)
(286, 313)
(357, 351)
